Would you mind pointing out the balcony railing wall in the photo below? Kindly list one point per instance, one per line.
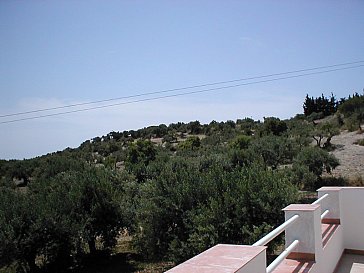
(316, 234)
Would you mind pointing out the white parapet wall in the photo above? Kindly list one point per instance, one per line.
(332, 251)
(352, 217)
(344, 225)
(321, 241)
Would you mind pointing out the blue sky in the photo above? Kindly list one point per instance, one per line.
(55, 53)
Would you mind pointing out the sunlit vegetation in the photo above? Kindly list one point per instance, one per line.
(170, 192)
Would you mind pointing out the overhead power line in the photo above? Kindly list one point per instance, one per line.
(175, 89)
(184, 93)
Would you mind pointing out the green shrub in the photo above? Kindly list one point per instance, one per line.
(360, 142)
(353, 111)
(315, 116)
(274, 150)
(273, 126)
(191, 143)
(50, 225)
(240, 142)
(312, 162)
(187, 209)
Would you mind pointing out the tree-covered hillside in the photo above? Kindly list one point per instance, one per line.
(175, 190)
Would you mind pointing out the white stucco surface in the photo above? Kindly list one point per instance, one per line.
(352, 217)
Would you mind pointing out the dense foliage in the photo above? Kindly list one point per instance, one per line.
(323, 105)
(56, 220)
(195, 204)
(176, 189)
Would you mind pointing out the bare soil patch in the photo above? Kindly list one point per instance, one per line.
(350, 155)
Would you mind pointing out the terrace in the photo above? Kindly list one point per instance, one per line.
(326, 236)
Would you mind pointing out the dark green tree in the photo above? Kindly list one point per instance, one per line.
(188, 208)
(310, 163)
(324, 105)
(143, 151)
(324, 131)
(274, 150)
(274, 126)
(191, 143)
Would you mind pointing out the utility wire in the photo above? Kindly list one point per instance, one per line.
(181, 94)
(176, 89)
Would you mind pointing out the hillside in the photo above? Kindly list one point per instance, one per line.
(350, 156)
(161, 194)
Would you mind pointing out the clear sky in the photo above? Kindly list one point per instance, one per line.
(55, 53)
